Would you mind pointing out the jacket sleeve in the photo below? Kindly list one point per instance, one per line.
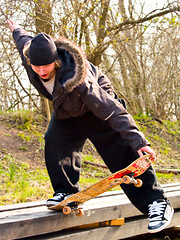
(105, 107)
(21, 37)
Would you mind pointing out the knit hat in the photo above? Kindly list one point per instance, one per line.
(42, 50)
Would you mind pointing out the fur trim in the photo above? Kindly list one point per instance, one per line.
(80, 63)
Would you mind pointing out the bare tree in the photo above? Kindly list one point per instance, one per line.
(132, 45)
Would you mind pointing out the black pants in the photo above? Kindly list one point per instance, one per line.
(64, 141)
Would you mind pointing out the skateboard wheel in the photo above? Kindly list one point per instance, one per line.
(139, 183)
(126, 179)
(66, 210)
(79, 212)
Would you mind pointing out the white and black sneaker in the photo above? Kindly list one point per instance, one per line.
(57, 198)
(160, 215)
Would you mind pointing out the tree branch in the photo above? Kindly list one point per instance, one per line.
(148, 17)
(14, 73)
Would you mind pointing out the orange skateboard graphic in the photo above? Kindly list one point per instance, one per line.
(126, 175)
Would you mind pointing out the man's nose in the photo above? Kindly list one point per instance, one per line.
(41, 71)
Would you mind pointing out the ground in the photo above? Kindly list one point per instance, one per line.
(22, 155)
(15, 142)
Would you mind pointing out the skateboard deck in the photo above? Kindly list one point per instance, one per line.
(126, 175)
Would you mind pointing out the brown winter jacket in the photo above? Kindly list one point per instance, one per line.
(81, 87)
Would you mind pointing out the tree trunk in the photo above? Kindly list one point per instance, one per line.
(43, 24)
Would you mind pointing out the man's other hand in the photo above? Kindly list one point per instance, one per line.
(147, 150)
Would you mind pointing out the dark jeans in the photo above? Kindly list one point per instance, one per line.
(64, 141)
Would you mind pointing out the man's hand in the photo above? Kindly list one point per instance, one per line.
(12, 25)
(148, 150)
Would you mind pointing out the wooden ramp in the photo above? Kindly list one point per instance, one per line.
(33, 220)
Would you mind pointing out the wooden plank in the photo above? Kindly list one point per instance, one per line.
(24, 222)
(19, 226)
(131, 228)
(23, 226)
(97, 202)
(21, 206)
(126, 209)
(172, 188)
(167, 187)
(171, 184)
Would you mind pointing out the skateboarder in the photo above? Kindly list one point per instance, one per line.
(86, 107)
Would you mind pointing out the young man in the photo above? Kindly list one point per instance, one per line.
(86, 106)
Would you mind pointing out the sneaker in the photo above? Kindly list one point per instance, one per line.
(160, 215)
(57, 198)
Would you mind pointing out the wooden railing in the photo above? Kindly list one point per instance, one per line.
(35, 221)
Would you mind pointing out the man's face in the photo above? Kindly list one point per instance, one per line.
(45, 71)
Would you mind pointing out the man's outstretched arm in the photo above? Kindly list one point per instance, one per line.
(21, 37)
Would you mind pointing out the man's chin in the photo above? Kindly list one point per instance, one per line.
(45, 79)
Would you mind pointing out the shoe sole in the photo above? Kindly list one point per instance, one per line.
(163, 226)
(54, 203)
(51, 204)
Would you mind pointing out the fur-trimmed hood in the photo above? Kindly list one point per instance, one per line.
(74, 63)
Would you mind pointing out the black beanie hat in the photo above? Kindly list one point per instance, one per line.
(42, 50)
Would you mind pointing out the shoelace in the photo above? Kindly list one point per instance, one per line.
(156, 209)
(60, 195)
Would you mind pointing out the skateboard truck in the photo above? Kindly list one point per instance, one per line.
(131, 180)
(68, 210)
(73, 208)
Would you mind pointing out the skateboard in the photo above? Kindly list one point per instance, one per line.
(72, 205)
